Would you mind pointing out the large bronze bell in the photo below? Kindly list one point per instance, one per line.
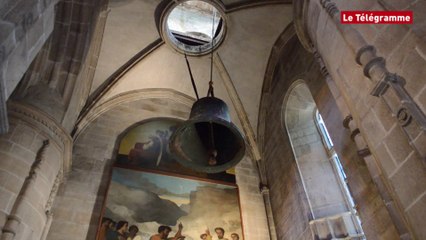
(208, 142)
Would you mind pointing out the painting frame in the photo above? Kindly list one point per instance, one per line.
(174, 175)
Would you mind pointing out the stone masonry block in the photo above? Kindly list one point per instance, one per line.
(421, 49)
(372, 128)
(31, 216)
(417, 215)
(35, 199)
(5, 199)
(65, 228)
(395, 59)
(386, 161)
(36, 47)
(397, 144)
(23, 154)
(34, 34)
(409, 180)
(23, 16)
(49, 20)
(419, 143)
(396, 4)
(7, 39)
(7, 5)
(13, 165)
(389, 39)
(10, 181)
(82, 217)
(16, 66)
(5, 145)
(421, 99)
(64, 11)
(81, 191)
(384, 114)
(413, 71)
(419, 26)
(23, 135)
(368, 31)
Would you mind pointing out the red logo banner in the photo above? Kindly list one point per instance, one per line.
(376, 17)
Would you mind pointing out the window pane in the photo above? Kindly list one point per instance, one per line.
(194, 19)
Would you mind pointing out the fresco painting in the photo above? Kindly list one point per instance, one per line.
(146, 146)
(149, 200)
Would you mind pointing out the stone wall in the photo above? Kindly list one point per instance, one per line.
(376, 220)
(80, 199)
(288, 198)
(69, 56)
(288, 63)
(24, 28)
(398, 149)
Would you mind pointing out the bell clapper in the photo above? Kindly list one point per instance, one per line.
(212, 151)
(212, 157)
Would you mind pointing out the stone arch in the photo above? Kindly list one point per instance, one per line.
(80, 199)
(83, 193)
(136, 95)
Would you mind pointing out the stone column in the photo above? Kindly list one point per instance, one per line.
(34, 154)
(14, 220)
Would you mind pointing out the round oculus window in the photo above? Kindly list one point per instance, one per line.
(192, 27)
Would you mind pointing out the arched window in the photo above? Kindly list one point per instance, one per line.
(333, 213)
(337, 165)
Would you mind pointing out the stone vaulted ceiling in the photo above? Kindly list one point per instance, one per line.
(134, 57)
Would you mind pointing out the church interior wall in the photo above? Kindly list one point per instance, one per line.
(80, 201)
(287, 191)
(398, 149)
(34, 156)
(70, 44)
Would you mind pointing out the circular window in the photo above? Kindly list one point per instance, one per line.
(192, 26)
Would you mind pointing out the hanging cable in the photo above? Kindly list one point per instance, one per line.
(192, 78)
(210, 91)
(212, 152)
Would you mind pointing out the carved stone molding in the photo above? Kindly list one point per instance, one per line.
(323, 68)
(300, 13)
(347, 120)
(49, 127)
(264, 188)
(58, 180)
(131, 96)
(355, 132)
(4, 122)
(364, 152)
(282, 42)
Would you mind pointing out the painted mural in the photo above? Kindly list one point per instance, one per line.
(150, 200)
(146, 147)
